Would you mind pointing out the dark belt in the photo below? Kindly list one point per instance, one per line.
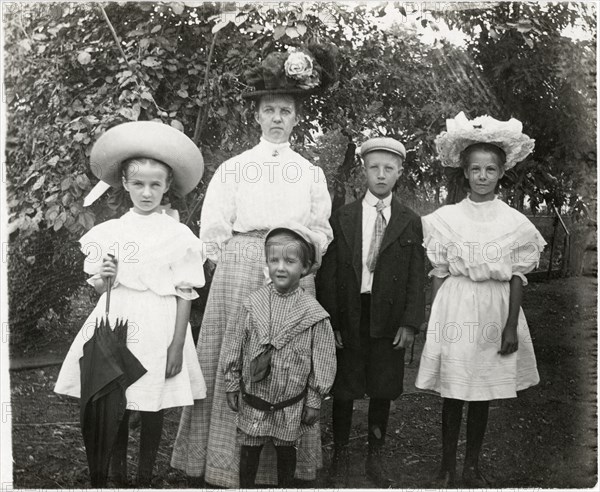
(260, 404)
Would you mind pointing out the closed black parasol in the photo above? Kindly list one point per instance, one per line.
(108, 368)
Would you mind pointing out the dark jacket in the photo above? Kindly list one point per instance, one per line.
(397, 293)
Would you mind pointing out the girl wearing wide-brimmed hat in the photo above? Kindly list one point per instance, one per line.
(478, 346)
(153, 263)
(249, 194)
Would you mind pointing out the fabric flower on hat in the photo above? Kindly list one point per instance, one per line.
(299, 66)
(299, 71)
(461, 133)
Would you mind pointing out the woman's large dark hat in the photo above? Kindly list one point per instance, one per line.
(299, 71)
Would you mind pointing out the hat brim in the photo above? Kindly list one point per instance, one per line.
(383, 144)
(149, 139)
(307, 235)
(276, 92)
(462, 133)
(384, 149)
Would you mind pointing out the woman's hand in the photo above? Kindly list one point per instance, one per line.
(174, 360)
(233, 400)
(510, 342)
(310, 415)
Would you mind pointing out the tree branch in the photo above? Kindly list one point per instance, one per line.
(203, 115)
(114, 34)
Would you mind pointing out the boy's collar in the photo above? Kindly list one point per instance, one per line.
(372, 200)
(284, 294)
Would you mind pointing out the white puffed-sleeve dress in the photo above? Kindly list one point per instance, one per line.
(159, 259)
(479, 247)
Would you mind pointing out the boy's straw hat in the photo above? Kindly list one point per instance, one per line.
(461, 133)
(305, 233)
(149, 139)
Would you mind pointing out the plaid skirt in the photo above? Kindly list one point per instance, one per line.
(207, 441)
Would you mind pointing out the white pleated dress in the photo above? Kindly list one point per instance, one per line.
(479, 247)
(159, 259)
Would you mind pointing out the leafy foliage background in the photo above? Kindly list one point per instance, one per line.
(68, 80)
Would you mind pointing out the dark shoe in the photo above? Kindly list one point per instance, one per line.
(445, 480)
(144, 483)
(473, 479)
(117, 473)
(375, 470)
(340, 467)
(196, 482)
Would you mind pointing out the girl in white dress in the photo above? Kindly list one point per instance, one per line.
(154, 262)
(478, 346)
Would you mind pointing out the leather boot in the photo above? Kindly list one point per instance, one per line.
(375, 469)
(473, 479)
(340, 466)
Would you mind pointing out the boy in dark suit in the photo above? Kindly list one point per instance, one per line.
(371, 283)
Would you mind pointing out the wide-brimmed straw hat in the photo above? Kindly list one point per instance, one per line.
(149, 139)
(299, 71)
(461, 133)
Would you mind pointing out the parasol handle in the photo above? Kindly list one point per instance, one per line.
(108, 289)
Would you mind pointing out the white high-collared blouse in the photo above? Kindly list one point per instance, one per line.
(262, 188)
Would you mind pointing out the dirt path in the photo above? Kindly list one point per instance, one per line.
(547, 437)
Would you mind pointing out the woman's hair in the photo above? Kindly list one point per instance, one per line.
(127, 164)
(289, 238)
(298, 106)
(484, 147)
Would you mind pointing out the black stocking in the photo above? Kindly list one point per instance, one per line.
(451, 419)
(342, 421)
(286, 466)
(150, 434)
(477, 418)
(249, 457)
(379, 413)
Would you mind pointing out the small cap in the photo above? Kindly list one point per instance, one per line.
(383, 143)
(305, 233)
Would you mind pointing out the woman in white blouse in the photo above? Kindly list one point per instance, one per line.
(249, 194)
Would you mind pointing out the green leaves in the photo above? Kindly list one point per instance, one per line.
(66, 82)
(150, 62)
(84, 57)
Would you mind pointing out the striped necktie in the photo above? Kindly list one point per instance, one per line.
(377, 237)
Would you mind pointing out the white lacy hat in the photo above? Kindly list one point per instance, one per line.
(461, 133)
